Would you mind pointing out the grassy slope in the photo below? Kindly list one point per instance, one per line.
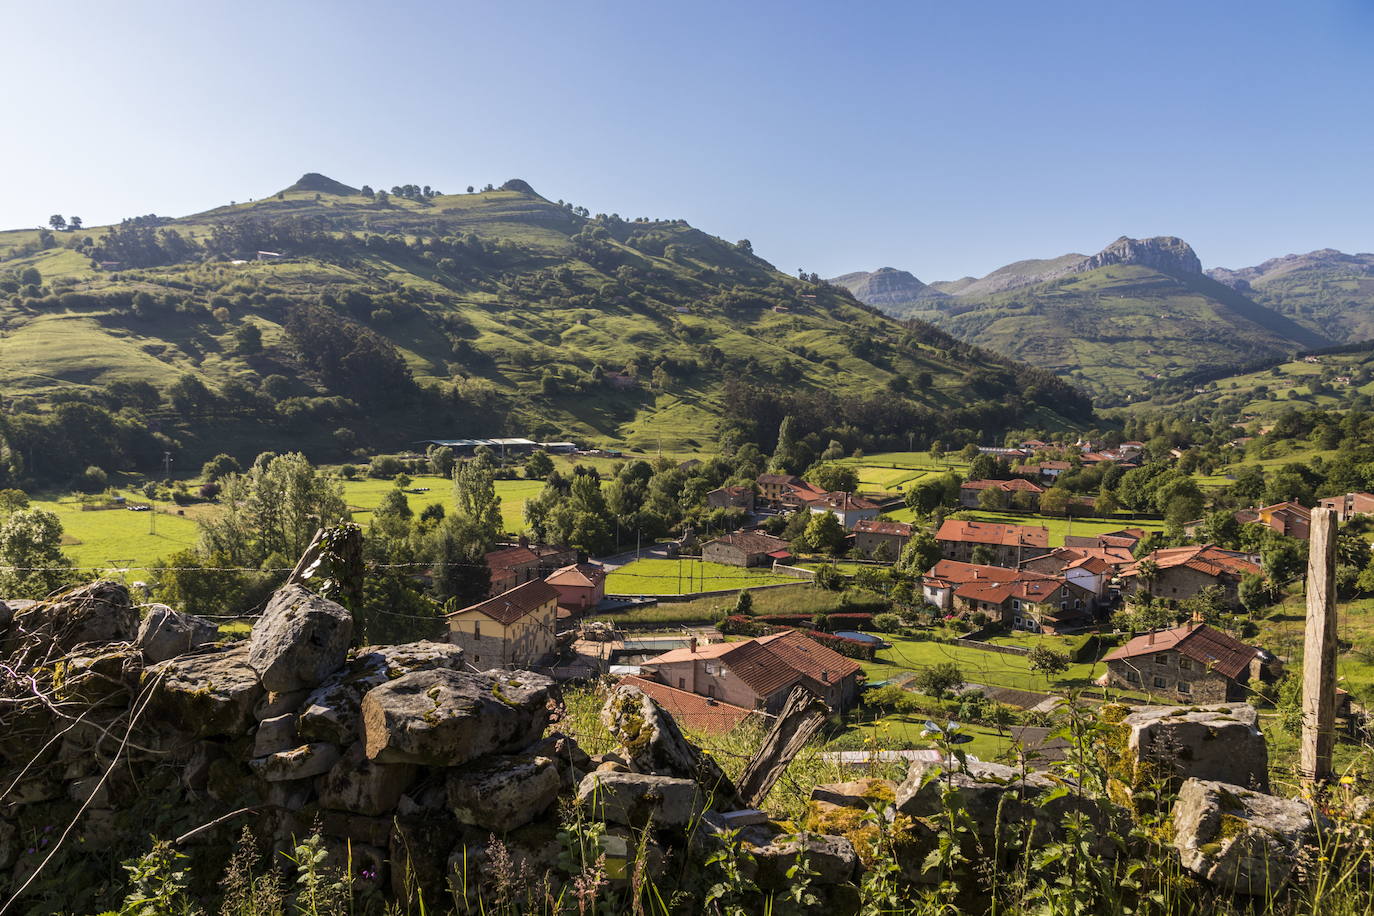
(1114, 329)
(517, 332)
(684, 576)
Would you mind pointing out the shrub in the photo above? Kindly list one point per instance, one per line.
(843, 645)
(887, 623)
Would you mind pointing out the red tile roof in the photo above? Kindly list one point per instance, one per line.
(586, 574)
(873, 526)
(767, 664)
(694, 712)
(781, 480)
(510, 558)
(1007, 485)
(955, 529)
(1205, 558)
(1211, 647)
(840, 501)
(509, 606)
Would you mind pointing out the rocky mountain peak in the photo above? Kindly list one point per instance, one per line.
(1164, 253)
(887, 286)
(322, 184)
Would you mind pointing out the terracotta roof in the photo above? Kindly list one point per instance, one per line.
(780, 480)
(586, 574)
(1008, 485)
(1211, 647)
(873, 526)
(1206, 559)
(841, 501)
(692, 711)
(955, 529)
(509, 606)
(994, 584)
(752, 541)
(767, 664)
(510, 557)
(954, 571)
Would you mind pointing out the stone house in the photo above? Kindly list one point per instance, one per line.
(580, 586)
(1349, 505)
(515, 629)
(1010, 545)
(746, 548)
(849, 508)
(759, 673)
(1182, 572)
(1017, 491)
(870, 534)
(1016, 598)
(1194, 663)
(511, 566)
(1087, 570)
(1290, 519)
(692, 711)
(773, 487)
(731, 498)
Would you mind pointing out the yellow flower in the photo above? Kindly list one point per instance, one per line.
(1347, 780)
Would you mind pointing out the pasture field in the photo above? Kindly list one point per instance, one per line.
(118, 538)
(366, 494)
(655, 576)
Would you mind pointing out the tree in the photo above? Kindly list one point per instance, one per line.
(983, 467)
(271, 510)
(982, 555)
(92, 480)
(474, 494)
(744, 603)
(32, 564)
(1048, 662)
(992, 498)
(834, 477)
(939, 679)
(921, 552)
(1055, 501)
(57, 221)
(74, 223)
(248, 338)
(829, 578)
(391, 523)
(538, 465)
(218, 467)
(824, 532)
(460, 575)
(1147, 571)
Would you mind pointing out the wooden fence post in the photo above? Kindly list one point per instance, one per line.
(1319, 651)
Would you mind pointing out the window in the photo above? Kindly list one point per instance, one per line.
(1162, 658)
(477, 629)
(477, 659)
(682, 683)
(1160, 682)
(1184, 663)
(1184, 687)
(1132, 677)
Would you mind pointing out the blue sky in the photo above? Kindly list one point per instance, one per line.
(947, 139)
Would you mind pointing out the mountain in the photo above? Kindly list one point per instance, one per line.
(335, 319)
(887, 288)
(1115, 322)
(1327, 290)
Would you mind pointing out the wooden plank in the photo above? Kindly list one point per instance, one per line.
(1319, 651)
(801, 717)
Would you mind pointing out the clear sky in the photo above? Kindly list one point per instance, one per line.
(943, 138)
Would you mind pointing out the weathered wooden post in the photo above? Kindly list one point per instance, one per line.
(1319, 651)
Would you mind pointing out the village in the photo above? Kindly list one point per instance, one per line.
(933, 617)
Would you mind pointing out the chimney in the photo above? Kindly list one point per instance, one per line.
(524, 541)
(825, 677)
(692, 645)
(1152, 638)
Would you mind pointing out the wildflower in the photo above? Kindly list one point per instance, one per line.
(1347, 780)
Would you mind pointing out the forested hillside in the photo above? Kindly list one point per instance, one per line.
(333, 319)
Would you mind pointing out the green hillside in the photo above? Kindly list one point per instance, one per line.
(1117, 323)
(1327, 380)
(388, 318)
(1327, 290)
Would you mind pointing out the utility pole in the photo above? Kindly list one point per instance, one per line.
(1319, 652)
(167, 465)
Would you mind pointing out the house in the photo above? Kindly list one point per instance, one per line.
(511, 566)
(1017, 598)
(870, 535)
(731, 498)
(1349, 505)
(772, 487)
(759, 673)
(1126, 539)
(849, 508)
(971, 491)
(512, 630)
(999, 452)
(1045, 470)
(746, 548)
(693, 712)
(1090, 572)
(1009, 545)
(1182, 572)
(580, 586)
(1287, 518)
(1194, 663)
